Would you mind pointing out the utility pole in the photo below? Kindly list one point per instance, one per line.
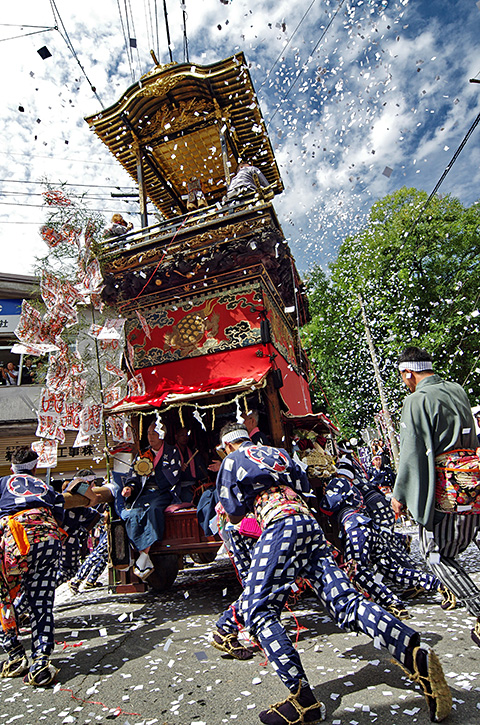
(381, 390)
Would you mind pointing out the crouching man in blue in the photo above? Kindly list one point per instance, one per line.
(265, 481)
(31, 513)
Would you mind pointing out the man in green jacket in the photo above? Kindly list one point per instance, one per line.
(436, 419)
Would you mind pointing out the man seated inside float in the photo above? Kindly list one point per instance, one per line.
(193, 469)
(147, 491)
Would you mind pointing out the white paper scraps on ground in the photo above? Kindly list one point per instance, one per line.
(167, 644)
(123, 617)
(102, 632)
(257, 681)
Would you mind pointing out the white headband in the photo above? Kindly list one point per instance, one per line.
(417, 366)
(29, 466)
(234, 435)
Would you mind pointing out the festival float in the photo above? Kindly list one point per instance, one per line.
(210, 294)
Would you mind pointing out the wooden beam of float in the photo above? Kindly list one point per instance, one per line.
(187, 121)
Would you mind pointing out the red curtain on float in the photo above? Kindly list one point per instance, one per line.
(295, 392)
(214, 372)
(200, 374)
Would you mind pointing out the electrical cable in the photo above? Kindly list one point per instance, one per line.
(67, 40)
(125, 38)
(42, 206)
(442, 178)
(167, 28)
(183, 5)
(25, 35)
(150, 40)
(129, 35)
(53, 158)
(277, 108)
(83, 197)
(267, 76)
(66, 183)
(139, 65)
(157, 28)
(24, 25)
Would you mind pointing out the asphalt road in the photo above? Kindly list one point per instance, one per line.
(145, 659)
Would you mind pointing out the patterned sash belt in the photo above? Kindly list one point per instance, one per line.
(457, 484)
(277, 503)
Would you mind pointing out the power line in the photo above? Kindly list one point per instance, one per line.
(185, 38)
(167, 27)
(54, 158)
(135, 37)
(287, 44)
(67, 40)
(125, 39)
(147, 26)
(442, 178)
(86, 198)
(24, 25)
(65, 183)
(43, 206)
(25, 35)
(156, 27)
(304, 65)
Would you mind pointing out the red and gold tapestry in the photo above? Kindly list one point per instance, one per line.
(201, 325)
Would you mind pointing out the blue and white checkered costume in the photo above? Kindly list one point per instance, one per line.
(290, 547)
(95, 562)
(378, 506)
(367, 546)
(77, 523)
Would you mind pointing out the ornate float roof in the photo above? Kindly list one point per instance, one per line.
(176, 115)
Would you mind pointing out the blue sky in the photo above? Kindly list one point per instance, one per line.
(349, 90)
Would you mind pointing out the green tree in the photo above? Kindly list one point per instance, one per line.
(418, 272)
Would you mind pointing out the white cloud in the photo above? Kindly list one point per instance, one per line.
(361, 91)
